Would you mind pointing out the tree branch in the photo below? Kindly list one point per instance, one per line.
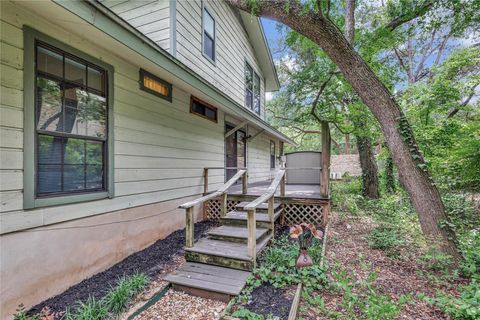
(463, 104)
(417, 12)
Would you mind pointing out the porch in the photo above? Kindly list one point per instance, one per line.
(303, 191)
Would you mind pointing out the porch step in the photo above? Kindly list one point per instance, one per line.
(235, 234)
(239, 218)
(224, 253)
(261, 208)
(208, 281)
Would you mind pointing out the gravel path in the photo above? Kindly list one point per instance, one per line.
(181, 306)
(155, 260)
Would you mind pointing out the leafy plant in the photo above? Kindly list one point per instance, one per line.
(384, 238)
(466, 307)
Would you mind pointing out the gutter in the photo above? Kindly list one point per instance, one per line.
(88, 11)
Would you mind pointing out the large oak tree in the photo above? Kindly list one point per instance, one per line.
(413, 174)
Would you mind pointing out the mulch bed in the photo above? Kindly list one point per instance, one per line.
(151, 261)
(268, 300)
(347, 246)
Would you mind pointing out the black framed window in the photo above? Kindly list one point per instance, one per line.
(208, 35)
(203, 109)
(252, 89)
(272, 154)
(154, 85)
(71, 123)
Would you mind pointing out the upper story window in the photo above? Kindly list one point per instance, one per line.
(252, 89)
(272, 154)
(208, 35)
(70, 123)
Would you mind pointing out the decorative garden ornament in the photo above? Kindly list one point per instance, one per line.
(304, 233)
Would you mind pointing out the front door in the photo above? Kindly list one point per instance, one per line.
(235, 151)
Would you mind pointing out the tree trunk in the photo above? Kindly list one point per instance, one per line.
(364, 143)
(396, 129)
(347, 143)
(369, 168)
(389, 176)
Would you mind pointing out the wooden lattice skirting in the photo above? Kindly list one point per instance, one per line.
(295, 211)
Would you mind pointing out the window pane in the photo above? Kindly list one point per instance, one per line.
(210, 113)
(256, 84)
(256, 104)
(208, 47)
(248, 77)
(248, 98)
(96, 79)
(208, 23)
(74, 151)
(75, 71)
(49, 105)
(94, 153)
(73, 177)
(94, 177)
(49, 62)
(198, 108)
(95, 116)
(49, 178)
(49, 149)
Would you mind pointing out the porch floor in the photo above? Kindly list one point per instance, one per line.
(308, 191)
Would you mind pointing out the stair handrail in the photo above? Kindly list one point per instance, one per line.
(222, 192)
(268, 195)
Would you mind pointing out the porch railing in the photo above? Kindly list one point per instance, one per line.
(222, 192)
(267, 196)
(208, 169)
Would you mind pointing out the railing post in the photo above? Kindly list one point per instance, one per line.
(189, 231)
(205, 181)
(282, 185)
(245, 183)
(223, 205)
(252, 239)
(271, 215)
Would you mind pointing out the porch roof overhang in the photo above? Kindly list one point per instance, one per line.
(97, 18)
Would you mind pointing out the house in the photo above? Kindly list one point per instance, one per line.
(110, 111)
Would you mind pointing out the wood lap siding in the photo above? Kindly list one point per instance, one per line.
(259, 158)
(151, 17)
(232, 48)
(160, 147)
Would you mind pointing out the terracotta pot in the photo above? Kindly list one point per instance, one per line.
(304, 259)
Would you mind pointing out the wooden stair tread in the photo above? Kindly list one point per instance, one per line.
(209, 278)
(242, 215)
(226, 249)
(263, 206)
(236, 232)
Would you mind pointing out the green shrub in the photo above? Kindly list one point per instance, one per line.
(466, 307)
(384, 238)
(119, 297)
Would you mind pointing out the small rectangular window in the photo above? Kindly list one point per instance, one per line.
(203, 109)
(208, 35)
(272, 154)
(252, 89)
(154, 85)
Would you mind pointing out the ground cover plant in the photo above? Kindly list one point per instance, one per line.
(381, 267)
(108, 307)
(276, 277)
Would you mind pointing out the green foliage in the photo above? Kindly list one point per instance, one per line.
(119, 297)
(246, 314)
(110, 306)
(465, 307)
(385, 238)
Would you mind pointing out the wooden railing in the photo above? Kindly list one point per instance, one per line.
(222, 192)
(207, 170)
(267, 196)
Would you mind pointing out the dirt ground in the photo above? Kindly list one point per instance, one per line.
(347, 246)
